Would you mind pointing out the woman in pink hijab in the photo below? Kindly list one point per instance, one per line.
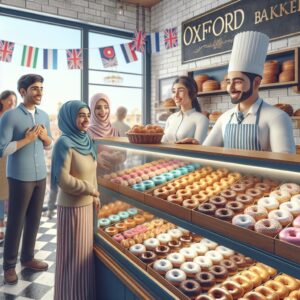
(100, 126)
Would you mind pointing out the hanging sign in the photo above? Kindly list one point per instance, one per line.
(213, 32)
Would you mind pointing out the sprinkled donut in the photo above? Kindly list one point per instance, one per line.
(291, 188)
(269, 227)
(257, 212)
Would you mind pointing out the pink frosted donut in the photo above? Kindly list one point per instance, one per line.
(292, 188)
(117, 180)
(296, 198)
(284, 217)
(290, 235)
(280, 195)
(268, 227)
(244, 220)
(256, 212)
(292, 207)
(268, 203)
(296, 222)
(118, 237)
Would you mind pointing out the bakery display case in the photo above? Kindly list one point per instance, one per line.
(183, 187)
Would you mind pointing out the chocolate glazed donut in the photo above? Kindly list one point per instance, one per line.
(190, 287)
(206, 280)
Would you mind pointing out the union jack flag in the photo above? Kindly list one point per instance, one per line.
(74, 58)
(170, 38)
(6, 50)
(139, 41)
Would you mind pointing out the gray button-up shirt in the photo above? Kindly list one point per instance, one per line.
(27, 163)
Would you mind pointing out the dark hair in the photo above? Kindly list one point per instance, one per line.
(192, 88)
(251, 76)
(27, 80)
(4, 95)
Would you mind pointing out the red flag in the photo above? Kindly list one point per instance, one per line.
(170, 37)
(74, 58)
(6, 50)
(139, 41)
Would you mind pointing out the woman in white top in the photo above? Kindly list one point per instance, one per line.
(189, 122)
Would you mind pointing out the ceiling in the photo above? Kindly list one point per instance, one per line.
(146, 3)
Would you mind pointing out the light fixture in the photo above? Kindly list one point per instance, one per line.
(120, 8)
(113, 79)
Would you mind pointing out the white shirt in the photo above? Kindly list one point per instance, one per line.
(275, 128)
(122, 127)
(189, 124)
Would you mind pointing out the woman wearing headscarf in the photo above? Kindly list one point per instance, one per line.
(101, 127)
(74, 171)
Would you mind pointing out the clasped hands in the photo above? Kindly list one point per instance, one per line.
(37, 131)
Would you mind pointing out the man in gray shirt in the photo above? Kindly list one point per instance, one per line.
(24, 134)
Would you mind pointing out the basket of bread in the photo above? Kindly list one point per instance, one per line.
(148, 134)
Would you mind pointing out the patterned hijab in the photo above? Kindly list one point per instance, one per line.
(71, 137)
(100, 127)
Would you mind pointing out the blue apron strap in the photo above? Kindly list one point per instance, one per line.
(258, 113)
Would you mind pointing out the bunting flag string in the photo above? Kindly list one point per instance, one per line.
(6, 50)
(108, 57)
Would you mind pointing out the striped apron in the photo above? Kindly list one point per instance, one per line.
(243, 136)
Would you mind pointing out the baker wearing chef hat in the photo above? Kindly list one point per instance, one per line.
(252, 124)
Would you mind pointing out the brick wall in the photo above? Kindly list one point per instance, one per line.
(168, 62)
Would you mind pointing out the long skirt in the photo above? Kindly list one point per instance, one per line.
(74, 274)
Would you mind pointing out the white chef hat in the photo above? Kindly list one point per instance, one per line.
(249, 52)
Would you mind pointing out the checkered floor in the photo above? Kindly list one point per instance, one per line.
(31, 284)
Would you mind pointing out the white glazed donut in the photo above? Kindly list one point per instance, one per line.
(226, 252)
(201, 249)
(296, 198)
(175, 233)
(280, 195)
(137, 249)
(151, 243)
(292, 188)
(175, 276)
(269, 203)
(184, 231)
(176, 259)
(284, 217)
(211, 245)
(190, 268)
(215, 256)
(164, 238)
(292, 207)
(162, 266)
(188, 253)
(243, 220)
(204, 262)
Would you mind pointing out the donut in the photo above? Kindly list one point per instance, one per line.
(296, 198)
(234, 289)
(218, 201)
(207, 208)
(243, 220)
(245, 199)
(175, 233)
(253, 178)
(170, 189)
(291, 188)
(267, 292)
(206, 280)
(235, 176)
(256, 212)
(235, 206)
(190, 203)
(190, 268)
(249, 183)
(296, 222)
(112, 230)
(148, 184)
(279, 288)
(224, 214)
(176, 259)
(168, 176)
(249, 261)
(292, 207)
(194, 189)
(226, 252)
(264, 187)
(244, 282)
(162, 266)
(215, 256)
(254, 296)
(185, 194)
(190, 287)
(164, 238)
(103, 222)
(199, 197)
(121, 227)
(151, 243)
(253, 277)
(269, 227)
(268, 203)
(161, 251)
(214, 190)
(289, 282)
(184, 231)
(205, 194)
(148, 216)
(262, 272)
(290, 235)
(219, 272)
(176, 173)
(118, 237)
(157, 222)
(219, 293)
(240, 261)
(284, 217)
(139, 219)
(280, 195)
(201, 249)
(175, 276)
(238, 188)
(230, 266)
(132, 211)
(204, 297)
(185, 240)
(223, 171)
(148, 257)
(272, 182)
(175, 198)
(123, 215)
(188, 253)
(174, 245)
(254, 193)
(137, 249)
(161, 193)
(295, 295)
(204, 262)
(272, 272)
(211, 245)
(228, 194)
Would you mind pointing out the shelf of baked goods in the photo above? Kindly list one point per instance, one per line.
(281, 69)
(170, 262)
(186, 200)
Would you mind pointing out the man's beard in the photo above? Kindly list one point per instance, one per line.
(244, 95)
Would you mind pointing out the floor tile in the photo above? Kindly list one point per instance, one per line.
(29, 275)
(14, 289)
(39, 245)
(35, 291)
(49, 247)
(46, 278)
(49, 295)
(51, 231)
(46, 238)
(41, 254)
